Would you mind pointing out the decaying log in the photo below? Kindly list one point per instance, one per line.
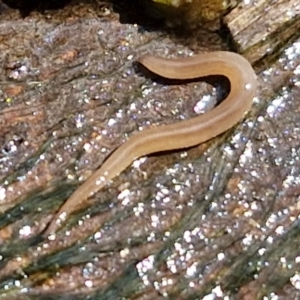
(262, 27)
(219, 221)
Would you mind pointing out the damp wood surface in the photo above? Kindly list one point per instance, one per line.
(219, 220)
(260, 28)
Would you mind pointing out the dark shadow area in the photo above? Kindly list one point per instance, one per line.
(174, 21)
(142, 12)
(145, 13)
(26, 6)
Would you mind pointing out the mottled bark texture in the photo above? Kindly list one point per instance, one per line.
(219, 219)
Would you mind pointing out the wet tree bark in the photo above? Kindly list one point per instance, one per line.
(221, 218)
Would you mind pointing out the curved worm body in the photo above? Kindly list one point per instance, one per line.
(179, 135)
